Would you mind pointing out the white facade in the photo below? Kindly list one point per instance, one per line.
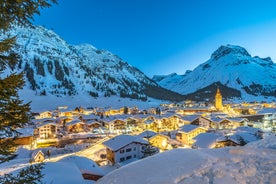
(47, 131)
(131, 151)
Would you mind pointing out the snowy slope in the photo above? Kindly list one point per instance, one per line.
(54, 67)
(253, 163)
(232, 66)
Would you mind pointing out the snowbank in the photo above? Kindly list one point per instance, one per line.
(254, 163)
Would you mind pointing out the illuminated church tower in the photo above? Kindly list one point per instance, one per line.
(218, 100)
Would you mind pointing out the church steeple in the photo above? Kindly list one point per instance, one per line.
(218, 100)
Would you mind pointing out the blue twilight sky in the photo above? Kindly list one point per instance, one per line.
(165, 36)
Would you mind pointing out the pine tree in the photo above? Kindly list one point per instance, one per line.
(13, 112)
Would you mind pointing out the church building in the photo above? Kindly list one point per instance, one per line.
(218, 100)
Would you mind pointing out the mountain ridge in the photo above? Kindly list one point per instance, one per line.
(52, 66)
(233, 67)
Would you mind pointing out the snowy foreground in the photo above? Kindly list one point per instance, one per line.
(253, 163)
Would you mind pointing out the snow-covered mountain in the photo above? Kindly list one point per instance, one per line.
(233, 67)
(54, 67)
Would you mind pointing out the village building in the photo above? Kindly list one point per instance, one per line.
(37, 156)
(187, 132)
(25, 137)
(44, 114)
(170, 122)
(65, 112)
(76, 126)
(152, 124)
(46, 130)
(147, 134)
(160, 141)
(124, 148)
(190, 119)
(226, 141)
(93, 125)
(218, 101)
(238, 122)
(202, 122)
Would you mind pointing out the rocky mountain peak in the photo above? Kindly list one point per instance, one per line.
(229, 49)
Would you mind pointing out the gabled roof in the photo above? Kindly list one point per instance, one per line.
(215, 119)
(46, 123)
(190, 118)
(121, 141)
(149, 121)
(147, 134)
(84, 164)
(89, 116)
(236, 119)
(36, 153)
(189, 128)
(74, 122)
(91, 122)
(248, 129)
(267, 111)
(43, 120)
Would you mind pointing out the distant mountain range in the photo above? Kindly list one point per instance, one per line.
(54, 67)
(231, 68)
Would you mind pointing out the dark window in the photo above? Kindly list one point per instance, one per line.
(122, 159)
(143, 147)
(122, 151)
(134, 149)
(128, 157)
(128, 150)
(134, 156)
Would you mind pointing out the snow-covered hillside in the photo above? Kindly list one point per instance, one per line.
(253, 163)
(232, 66)
(54, 67)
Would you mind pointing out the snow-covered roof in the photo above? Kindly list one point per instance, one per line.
(85, 165)
(205, 140)
(243, 136)
(36, 152)
(89, 116)
(46, 123)
(215, 119)
(188, 128)
(61, 173)
(91, 122)
(74, 122)
(267, 111)
(43, 120)
(121, 141)
(147, 134)
(149, 121)
(248, 129)
(236, 119)
(190, 118)
(24, 132)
